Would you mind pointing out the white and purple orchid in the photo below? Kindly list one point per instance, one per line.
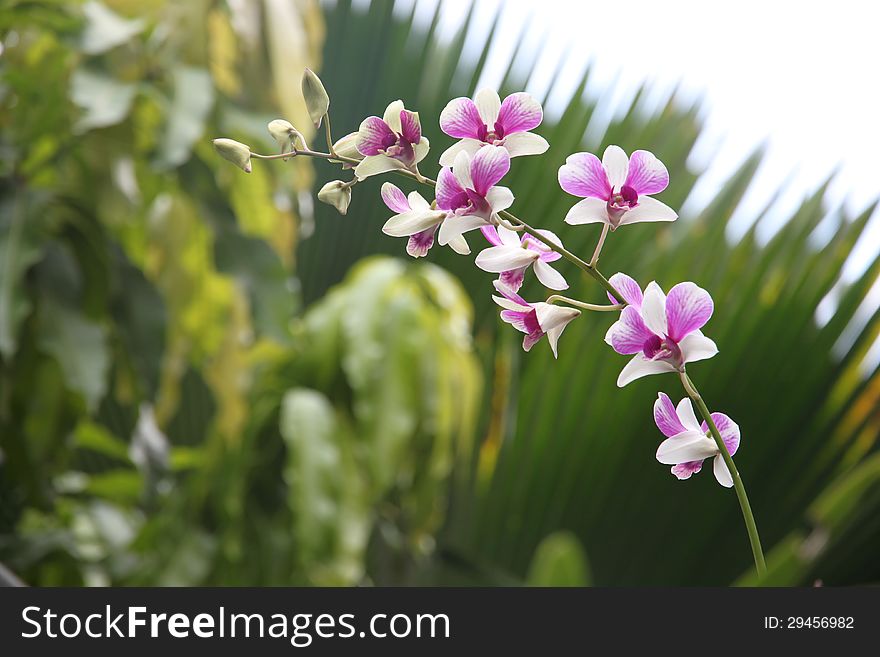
(415, 219)
(534, 319)
(468, 192)
(393, 142)
(661, 332)
(688, 443)
(487, 121)
(512, 254)
(615, 190)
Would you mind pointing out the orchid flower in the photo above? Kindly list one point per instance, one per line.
(468, 192)
(688, 443)
(534, 319)
(615, 190)
(662, 332)
(415, 219)
(486, 120)
(393, 142)
(511, 255)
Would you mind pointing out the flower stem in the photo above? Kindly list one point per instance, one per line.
(599, 245)
(582, 304)
(328, 135)
(748, 517)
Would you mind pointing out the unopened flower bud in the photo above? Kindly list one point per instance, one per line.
(347, 147)
(337, 194)
(286, 135)
(317, 100)
(236, 152)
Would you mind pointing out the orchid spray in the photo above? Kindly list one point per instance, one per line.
(661, 332)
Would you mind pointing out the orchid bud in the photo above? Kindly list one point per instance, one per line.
(286, 135)
(236, 152)
(337, 194)
(317, 100)
(347, 147)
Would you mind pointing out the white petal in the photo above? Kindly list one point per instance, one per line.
(459, 245)
(696, 346)
(654, 309)
(499, 198)
(470, 146)
(410, 223)
(417, 201)
(454, 226)
(549, 277)
(392, 115)
(488, 105)
(525, 143)
(722, 472)
(376, 164)
(497, 259)
(640, 366)
(509, 237)
(648, 209)
(421, 149)
(507, 304)
(461, 169)
(687, 446)
(616, 165)
(550, 316)
(685, 412)
(588, 211)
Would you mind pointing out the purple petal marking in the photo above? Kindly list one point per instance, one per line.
(665, 416)
(647, 174)
(490, 165)
(410, 126)
(394, 198)
(531, 339)
(510, 295)
(728, 429)
(450, 195)
(685, 470)
(688, 308)
(374, 136)
(632, 293)
(460, 119)
(419, 244)
(629, 332)
(583, 175)
(535, 245)
(519, 113)
(491, 234)
(513, 279)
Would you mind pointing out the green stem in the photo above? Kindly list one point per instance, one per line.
(582, 304)
(328, 135)
(748, 517)
(599, 245)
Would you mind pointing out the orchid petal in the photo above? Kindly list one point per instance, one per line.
(420, 243)
(583, 175)
(491, 234)
(696, 346)
(489, 165)
(639, 367)
(628, 334)
(420, 150)
(688, 308)
(392, 115)
(654, 309)
(684, 470)
(616, 165)
(648, 209)
(410, 127)
(417, 202)
(374, 136)
(462, 169)
(628, 288)
(721, 472)
(647, 174)
(513, 278)
(497, 259)
(447, 189)
(525, 143)
(685, 412)
(549, 277)
(459, 245)
(728, 429)
(461, 119)
(488, 105)
(499, 198)
(455, 226)
(519, 112)
(412, 222)
(376, 164)
(470, 146)
(588, 211)
(685, 447)
(666, 418)
(508, 237)
(394, 198)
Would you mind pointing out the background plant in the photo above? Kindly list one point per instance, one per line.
(181, 297)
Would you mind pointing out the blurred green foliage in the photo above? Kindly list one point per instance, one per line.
(202, 381)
